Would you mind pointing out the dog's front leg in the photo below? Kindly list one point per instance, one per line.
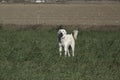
(60, 49)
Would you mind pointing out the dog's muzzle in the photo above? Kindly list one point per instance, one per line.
(59, 37)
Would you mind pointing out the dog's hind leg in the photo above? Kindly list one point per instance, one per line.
(66, 50)
(68, 53)
(73, 46)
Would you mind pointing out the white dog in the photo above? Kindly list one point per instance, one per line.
(66, 41)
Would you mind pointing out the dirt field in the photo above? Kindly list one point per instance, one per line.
(66, 14)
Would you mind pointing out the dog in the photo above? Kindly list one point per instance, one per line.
(67, 41)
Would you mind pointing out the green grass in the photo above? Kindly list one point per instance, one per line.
(33, 55)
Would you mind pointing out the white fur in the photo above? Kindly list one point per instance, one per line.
(66, 40)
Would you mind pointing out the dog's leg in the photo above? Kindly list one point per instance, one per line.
(68, 53)
(73, 47)
(60, 49)
(66, 50)
(73, 51)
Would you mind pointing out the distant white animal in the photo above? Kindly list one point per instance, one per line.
(40, 1)
(67, 41)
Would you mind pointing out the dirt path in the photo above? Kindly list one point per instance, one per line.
(67, 14)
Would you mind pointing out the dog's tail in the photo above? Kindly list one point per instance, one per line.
(75, 33)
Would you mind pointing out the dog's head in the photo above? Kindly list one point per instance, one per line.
(61, 33)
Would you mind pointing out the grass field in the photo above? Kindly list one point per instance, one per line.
(66, 14)
(32, 54)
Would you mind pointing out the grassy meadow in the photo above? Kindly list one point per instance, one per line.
(32, 54)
